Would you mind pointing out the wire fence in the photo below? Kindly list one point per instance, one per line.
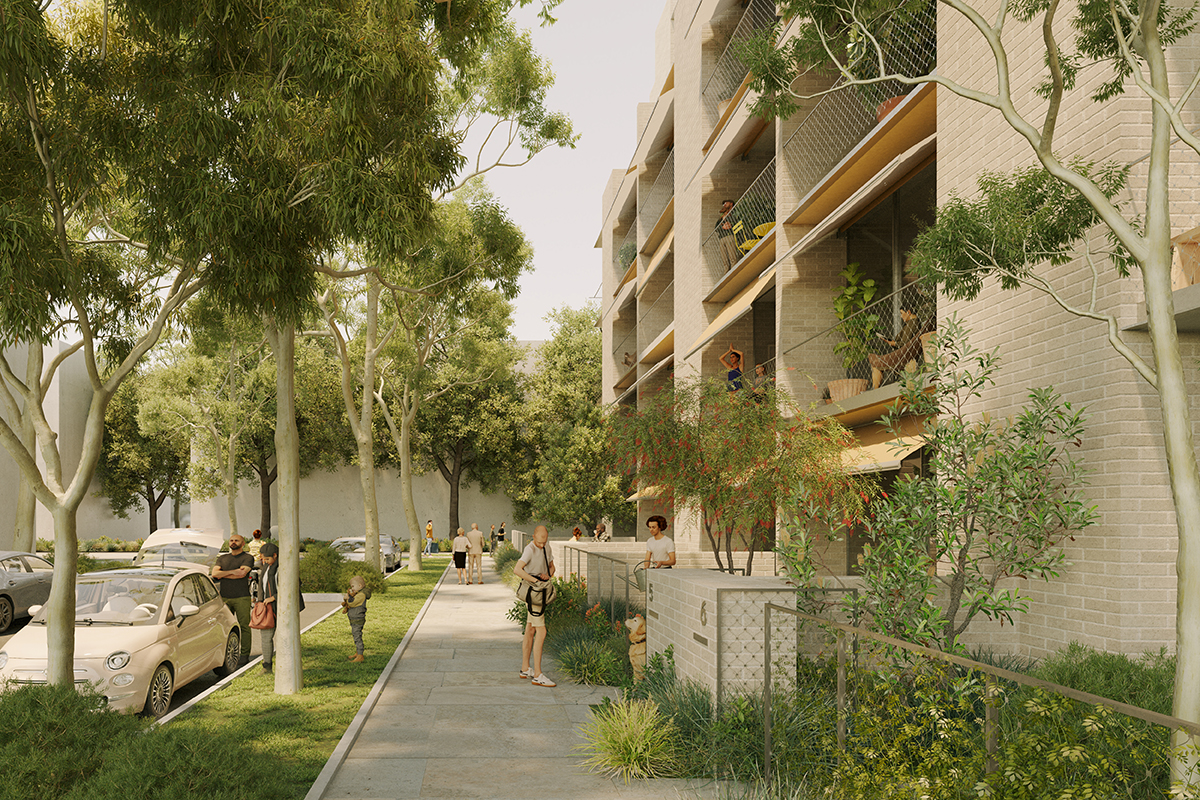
(625, 253)
(736, 233)
(730, 71)
(658, 313)
(883, 712)
(625, 350)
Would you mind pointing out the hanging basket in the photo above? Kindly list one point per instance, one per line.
(846, 388)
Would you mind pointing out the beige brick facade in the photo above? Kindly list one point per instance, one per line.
(1118, 592)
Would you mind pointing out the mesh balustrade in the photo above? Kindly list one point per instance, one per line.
(730, 71)
(735, 235)
(658, 314)
(660, 193)
(625, 252)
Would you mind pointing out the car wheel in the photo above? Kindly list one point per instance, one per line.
(6, 613)
(233, 654)
(158, 698)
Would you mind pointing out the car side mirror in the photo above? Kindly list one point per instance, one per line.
(189, 610)
(34, 609)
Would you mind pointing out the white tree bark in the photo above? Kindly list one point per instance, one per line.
(289, 675)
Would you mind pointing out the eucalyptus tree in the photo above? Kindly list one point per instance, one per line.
(139, 469)
(1096, 51)
(476, 252)
(472, 434)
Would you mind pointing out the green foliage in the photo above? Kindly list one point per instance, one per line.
(565, 475)
(739, 464)
(1146, 681)
(998, 502)
(592, 662)
(631, 739)
(53, 738)
(1017, 222)
(856, 327)
(107, 544)
(321, 569)
(505, 557)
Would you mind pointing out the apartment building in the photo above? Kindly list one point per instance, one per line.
(849, 179)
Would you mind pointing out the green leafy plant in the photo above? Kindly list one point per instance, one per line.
(849, 306)
(376, 581)
(321, 569)
(998, 501)
(631, 739)
(591, 662)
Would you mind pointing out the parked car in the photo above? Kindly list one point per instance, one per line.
(24, 582)
(181, 545)
(354, 548)
(139, 633)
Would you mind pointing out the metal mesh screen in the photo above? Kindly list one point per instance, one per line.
(730, 71)
(752, 218)
(626, 252)
(660, 193)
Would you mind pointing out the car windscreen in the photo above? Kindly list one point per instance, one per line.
(117, 599)
(177, 551)
(350, 547)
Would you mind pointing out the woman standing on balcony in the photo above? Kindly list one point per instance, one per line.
(734, 365)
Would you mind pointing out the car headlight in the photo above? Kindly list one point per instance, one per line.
(124, 679)
(117, 660)
(3, 659)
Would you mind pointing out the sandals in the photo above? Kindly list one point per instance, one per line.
(542, 680)
(527, 673)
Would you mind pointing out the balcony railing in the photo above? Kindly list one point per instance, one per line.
(840, 119)
(729, 72)
(658, 315)
(625, 253)
(752, 218)
(625, 351)
(660, 193)
(872, 347)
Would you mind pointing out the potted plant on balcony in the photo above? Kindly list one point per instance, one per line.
(856, 327)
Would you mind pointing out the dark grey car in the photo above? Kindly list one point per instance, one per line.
(24, 582)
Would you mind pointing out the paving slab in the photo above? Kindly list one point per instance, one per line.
(453, 719)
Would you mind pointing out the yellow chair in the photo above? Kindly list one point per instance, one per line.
(762, 230)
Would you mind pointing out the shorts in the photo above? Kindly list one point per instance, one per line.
(537, 622)
(460, 560)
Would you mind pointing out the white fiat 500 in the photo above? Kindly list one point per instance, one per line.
(139, 633)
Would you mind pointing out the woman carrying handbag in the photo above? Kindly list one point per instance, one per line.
(263, 616)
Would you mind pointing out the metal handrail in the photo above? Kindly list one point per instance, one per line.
(991, 721)
(660, 193)
(669, 295)
(755, 208)
(729, 71)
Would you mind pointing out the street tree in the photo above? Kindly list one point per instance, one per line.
(471, 435)
(139, 470)
(1067, 209)
(739, 460)
(477, 252)
(566, 477)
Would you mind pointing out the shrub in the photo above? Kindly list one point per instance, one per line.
(53, 737)
(1147, 681)
(45, 546)
(376, 581)
(505, 557)
(321, 568)
(631, 739)
(591, 662)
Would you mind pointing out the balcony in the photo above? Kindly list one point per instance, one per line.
(726, 86)
(751, 231)
(845, 125)
(656, 214)
(658, 315)
(625, 257)
(868, 350)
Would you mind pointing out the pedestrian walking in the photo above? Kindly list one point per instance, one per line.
(354, 606)
(535, 565)
(475, 554)
(428, 539)
(460, 545)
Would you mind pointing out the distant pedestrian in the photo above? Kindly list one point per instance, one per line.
(500, 533)
(232, 572)
(535, 566)
(576, 534)
(354, 606)
(460, 545)
(428, 538)
(269, 553)
(492, 538)
(601, 532)
(475, 554)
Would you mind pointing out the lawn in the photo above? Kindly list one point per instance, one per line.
(295, 734)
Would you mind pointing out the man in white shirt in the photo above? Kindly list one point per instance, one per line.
(660, 551)
(475, 554)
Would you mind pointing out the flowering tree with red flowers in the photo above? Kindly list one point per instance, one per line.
(739, 459)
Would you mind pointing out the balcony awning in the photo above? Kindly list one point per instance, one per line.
(735, 309)
(649, 493)
(886, 181)
(660, 255)
(666, 362)
(882, 456)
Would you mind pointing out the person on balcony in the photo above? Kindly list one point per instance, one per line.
(907, 346)
(726, 236)
(734, 365)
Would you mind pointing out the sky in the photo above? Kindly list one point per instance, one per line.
(602, 54)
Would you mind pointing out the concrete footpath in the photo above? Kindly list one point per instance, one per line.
(453, 719)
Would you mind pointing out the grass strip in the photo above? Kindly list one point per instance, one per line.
(295, 734)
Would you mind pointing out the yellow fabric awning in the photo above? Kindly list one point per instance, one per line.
(649, 493)
(881, 457)
(735, 309)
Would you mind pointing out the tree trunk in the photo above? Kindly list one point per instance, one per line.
(25, 524)
(415, 532)
(453, 476)
(176, 512)
(152, 505)
(289, 678)
(60, 607)
(364, 430)
(231, 483)
(266, 478)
